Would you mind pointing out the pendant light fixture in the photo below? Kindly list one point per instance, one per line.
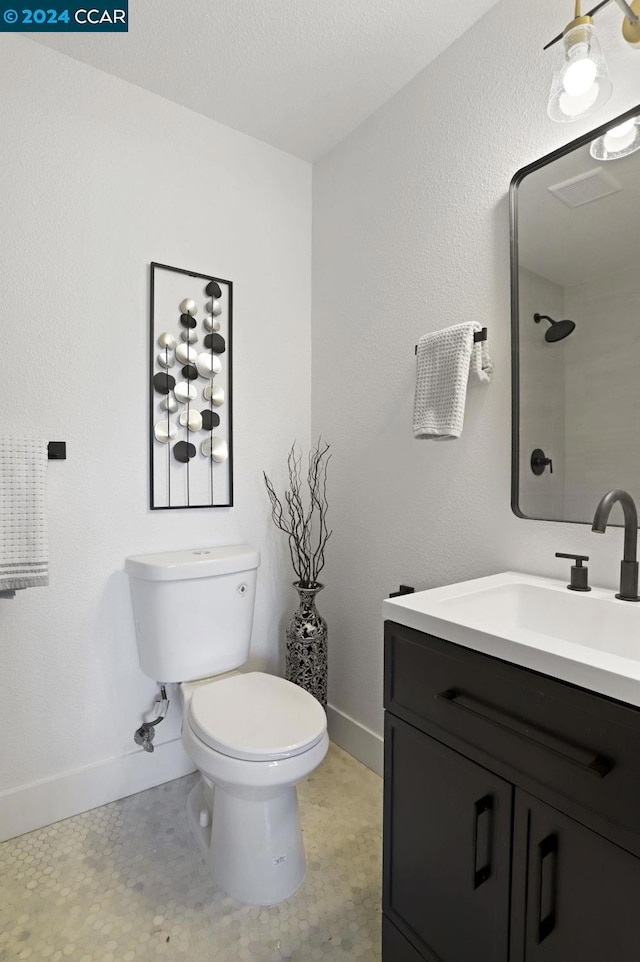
(619, 141)
(631, 22)
(580, 83)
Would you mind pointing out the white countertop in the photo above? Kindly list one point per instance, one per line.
(588, 639)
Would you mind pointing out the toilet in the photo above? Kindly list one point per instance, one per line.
(253, 736)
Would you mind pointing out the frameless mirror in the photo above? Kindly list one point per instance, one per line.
(575, 236)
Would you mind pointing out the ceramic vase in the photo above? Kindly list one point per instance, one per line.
(306, 656)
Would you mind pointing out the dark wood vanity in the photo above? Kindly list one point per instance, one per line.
(511, 812)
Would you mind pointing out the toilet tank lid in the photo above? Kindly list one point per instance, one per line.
(193, 563)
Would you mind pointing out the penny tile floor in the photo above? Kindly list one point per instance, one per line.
(126, 883)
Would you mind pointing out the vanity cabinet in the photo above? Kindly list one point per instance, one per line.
(511, 812)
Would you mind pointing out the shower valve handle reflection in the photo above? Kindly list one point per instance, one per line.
(539, 461)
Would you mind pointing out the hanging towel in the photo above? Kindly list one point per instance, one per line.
(443, 362)
(24, 548)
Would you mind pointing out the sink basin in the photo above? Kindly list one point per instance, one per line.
(588, 639)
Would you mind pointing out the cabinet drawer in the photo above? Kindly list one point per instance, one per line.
(582, 745)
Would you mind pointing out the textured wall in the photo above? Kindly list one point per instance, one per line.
(602, 389)
(411, 233)
(542, 408)
(98, 178)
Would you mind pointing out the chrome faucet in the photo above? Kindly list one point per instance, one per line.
(629, 563)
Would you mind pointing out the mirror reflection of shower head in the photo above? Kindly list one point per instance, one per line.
(558, 329)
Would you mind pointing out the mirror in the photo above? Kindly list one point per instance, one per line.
(575, 276)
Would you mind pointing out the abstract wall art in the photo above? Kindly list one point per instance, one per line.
(190, 389)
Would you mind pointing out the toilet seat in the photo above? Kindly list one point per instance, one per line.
(256, 717)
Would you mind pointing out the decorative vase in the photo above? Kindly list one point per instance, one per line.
(306, 659)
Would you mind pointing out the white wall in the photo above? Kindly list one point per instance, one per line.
(411, 233)
(97, 179)
(602, 363)
(577, 395)
(542, 403)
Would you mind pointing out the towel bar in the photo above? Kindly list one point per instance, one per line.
(57, 450)
(478, 336)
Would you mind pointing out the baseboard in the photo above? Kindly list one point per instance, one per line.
(53, 799)
(356, 739)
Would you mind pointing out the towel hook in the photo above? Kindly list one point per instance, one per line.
(57, 450)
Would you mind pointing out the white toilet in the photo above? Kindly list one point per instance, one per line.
(253, 736)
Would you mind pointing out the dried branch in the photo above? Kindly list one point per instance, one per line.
(305, 525)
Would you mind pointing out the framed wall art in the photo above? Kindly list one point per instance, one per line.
(190, 389)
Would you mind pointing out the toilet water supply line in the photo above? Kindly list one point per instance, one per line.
(146, 733)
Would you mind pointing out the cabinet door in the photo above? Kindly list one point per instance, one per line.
(447, 850)
(581, 892)
(395, 947)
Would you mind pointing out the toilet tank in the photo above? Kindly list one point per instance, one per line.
(193, 610)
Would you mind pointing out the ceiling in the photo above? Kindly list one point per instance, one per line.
(298, 74)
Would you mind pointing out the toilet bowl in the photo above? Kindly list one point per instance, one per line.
(253, 737)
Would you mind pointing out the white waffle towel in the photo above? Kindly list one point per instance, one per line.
(443, 362)
(24, 548)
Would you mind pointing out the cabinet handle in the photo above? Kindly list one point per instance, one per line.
(548, 869)
(483, 843)
(585, 759)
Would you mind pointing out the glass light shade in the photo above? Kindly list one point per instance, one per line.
(618, 142)
(581, 83)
